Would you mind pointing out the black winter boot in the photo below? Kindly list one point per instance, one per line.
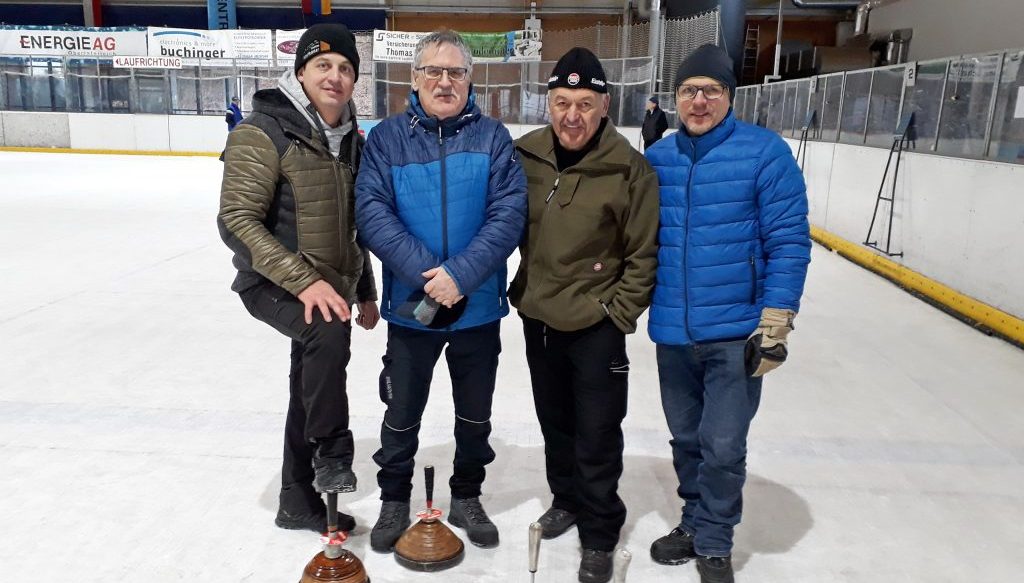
(555, 521)
(469, 514)
(715, 569)
(315, 521)
(595, 566)
(675, 548)
(392, 522)
(332, 466)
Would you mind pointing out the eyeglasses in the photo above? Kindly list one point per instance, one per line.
(434, 73)
(689, 92)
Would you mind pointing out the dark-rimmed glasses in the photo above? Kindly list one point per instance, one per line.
(434, 73)
(711, 92)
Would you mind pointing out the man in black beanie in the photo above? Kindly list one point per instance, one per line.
(737, 241)
(293, 162)
(585, 276)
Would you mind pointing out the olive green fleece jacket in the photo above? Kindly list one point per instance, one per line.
(590, 248)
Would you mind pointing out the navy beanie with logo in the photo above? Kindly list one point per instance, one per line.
(579, 69)
(327, 37)
(708, 61)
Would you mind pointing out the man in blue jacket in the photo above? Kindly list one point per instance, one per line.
(233, 115)
(734, 248)
(441, 200)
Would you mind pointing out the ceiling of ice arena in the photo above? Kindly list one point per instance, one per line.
(754, 7)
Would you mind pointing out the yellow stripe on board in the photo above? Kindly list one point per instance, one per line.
(112, 152)
(993, 318)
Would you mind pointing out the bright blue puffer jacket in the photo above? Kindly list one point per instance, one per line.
(734, 236)
(450, 193)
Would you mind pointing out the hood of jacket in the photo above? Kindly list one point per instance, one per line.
(290, 105)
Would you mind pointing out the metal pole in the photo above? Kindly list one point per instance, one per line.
(867, 110)
(622, 94)
(992, 106)
(654, 44)
(778, 43)
(942, 106)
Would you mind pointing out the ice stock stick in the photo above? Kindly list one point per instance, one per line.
(428, 472)
(534, 549)
(621, 564)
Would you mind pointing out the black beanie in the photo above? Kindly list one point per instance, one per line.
(327, 37)
(579, 69)
(708, 61)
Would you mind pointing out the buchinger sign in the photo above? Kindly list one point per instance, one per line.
(212, 47)
(73, 42)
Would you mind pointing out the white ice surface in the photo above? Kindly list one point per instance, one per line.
(141, 413)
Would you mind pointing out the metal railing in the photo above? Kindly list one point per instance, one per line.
(968, 106)
(511, 92)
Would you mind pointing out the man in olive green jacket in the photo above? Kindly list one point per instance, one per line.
(286, 210)
(586, 274)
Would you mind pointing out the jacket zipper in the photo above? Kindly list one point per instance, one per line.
(444, 196)
(686, 242)
(553, 188)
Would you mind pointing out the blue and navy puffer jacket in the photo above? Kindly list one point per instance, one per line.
(734, 236)
(448, 193)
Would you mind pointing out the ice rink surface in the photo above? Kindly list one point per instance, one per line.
(141, 416)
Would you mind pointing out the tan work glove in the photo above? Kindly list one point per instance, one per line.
(766, 348)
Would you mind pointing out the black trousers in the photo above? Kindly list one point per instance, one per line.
(472, 356)
(580, 387)
(318, 402)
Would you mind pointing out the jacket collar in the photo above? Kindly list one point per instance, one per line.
(450, 126)
(696, 147)
(612, 152)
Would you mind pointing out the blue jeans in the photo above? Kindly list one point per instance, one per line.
(709, 402)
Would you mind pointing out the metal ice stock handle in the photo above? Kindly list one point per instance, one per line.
(535, 532)
(332, 512)
(428, 473)
(620, 564)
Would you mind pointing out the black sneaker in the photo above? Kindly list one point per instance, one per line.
(315, 521)
(392, 522)
(715, 569)
(467, 513)
(596, 566)
(675, 548)
(333, 476)
(555, 521)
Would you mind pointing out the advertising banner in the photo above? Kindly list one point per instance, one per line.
(147, 62)
(285, 44)
(58, 41)
(212, 47)
(494, 47)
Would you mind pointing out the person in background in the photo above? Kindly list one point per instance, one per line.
(233, 116)
(655, 123)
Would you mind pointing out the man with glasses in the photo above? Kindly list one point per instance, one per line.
(285, 210)
(441, 200)
(734, 248)
(585, 276)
